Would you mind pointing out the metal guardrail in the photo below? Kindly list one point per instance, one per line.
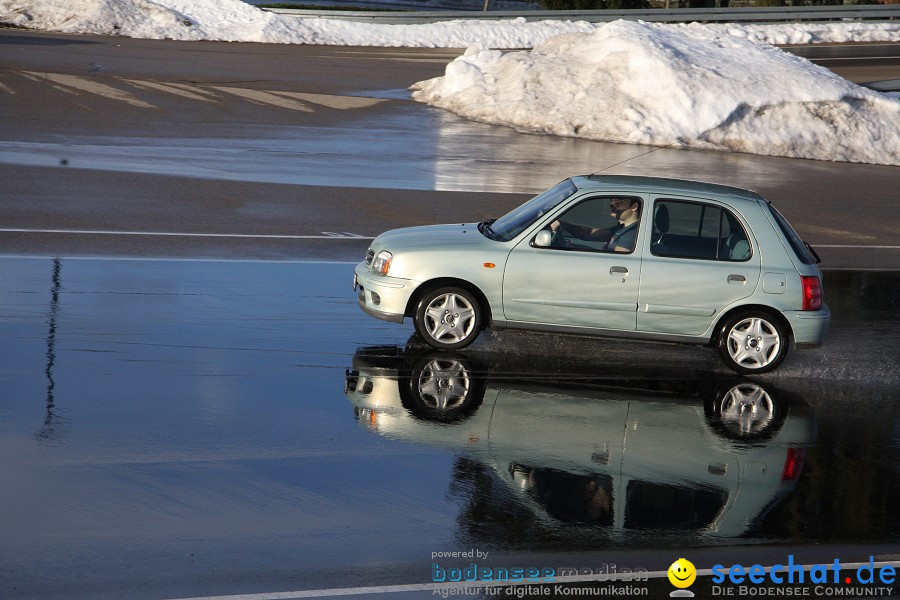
(878, 12)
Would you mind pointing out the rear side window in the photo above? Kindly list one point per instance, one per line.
(698, 230)
(661, 506)
(793, 239)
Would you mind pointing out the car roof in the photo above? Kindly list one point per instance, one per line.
(661, 185)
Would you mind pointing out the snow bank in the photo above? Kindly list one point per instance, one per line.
(700, 86)
(229, 20)
(688, 87)
(233, 21)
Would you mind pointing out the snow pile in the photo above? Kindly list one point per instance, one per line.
(230, 20)
(691, 87)
(694, 85)
(511, 33)
(233, 21)
(804, 33)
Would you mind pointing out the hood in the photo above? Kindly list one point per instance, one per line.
(445, 236)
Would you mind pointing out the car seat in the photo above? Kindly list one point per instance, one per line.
(735, 246)
(660, 228)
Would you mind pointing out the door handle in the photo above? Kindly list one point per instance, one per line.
(737, 279)
(614, 270)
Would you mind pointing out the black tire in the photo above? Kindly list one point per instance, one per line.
(448, 318)
(753, 342)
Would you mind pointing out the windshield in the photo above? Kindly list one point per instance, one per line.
(516, 221)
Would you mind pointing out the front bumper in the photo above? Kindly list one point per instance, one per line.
(382, 297)
(810, 327)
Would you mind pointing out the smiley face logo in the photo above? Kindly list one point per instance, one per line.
(682, 573)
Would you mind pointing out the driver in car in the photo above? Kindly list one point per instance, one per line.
(620, 238)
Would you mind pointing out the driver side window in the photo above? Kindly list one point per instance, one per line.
(596, 225)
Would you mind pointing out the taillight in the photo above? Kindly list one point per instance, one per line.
(793, 464)
(812, 293)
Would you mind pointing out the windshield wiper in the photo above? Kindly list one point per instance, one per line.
(485, 228)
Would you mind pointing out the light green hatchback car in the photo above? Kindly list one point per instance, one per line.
(635, 257)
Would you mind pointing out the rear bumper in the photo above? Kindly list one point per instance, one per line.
(810, 328)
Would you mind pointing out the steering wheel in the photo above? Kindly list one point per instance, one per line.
(558, 239)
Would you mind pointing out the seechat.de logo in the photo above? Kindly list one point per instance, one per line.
(682, 574)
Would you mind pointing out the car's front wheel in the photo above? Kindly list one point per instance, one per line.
(448, 318)
(752, 342)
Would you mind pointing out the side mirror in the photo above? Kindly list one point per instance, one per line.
(543, 239)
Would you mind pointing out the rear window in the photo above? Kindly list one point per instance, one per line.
(793, 239)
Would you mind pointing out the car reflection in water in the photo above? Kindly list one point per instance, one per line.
(590, 459)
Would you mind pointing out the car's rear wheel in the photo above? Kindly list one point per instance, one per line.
(448, 318)
(752, 342)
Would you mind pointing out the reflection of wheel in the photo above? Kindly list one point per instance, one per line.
(448, 318)
(752, 342)
(746, 411)
(442, 387)
(442, 384)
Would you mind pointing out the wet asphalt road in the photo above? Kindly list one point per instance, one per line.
(174, 428)
(182, 428)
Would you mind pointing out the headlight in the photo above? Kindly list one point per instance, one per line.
(382, 262)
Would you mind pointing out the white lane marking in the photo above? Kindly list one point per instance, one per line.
(326, 235)
(276, 260)
(192, 88)
(336, 102)
(168, 88)
(83, 84)
(345, 234)
(263, 97)
(386, 589)
(853, 58)
(855, 246)
(284, 99)
(181, 259)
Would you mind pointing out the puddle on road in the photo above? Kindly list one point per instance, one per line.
(398, 94)
(556, 455)
(250, 414)
(438, 151)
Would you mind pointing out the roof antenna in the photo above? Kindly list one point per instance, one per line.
(628, 159)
